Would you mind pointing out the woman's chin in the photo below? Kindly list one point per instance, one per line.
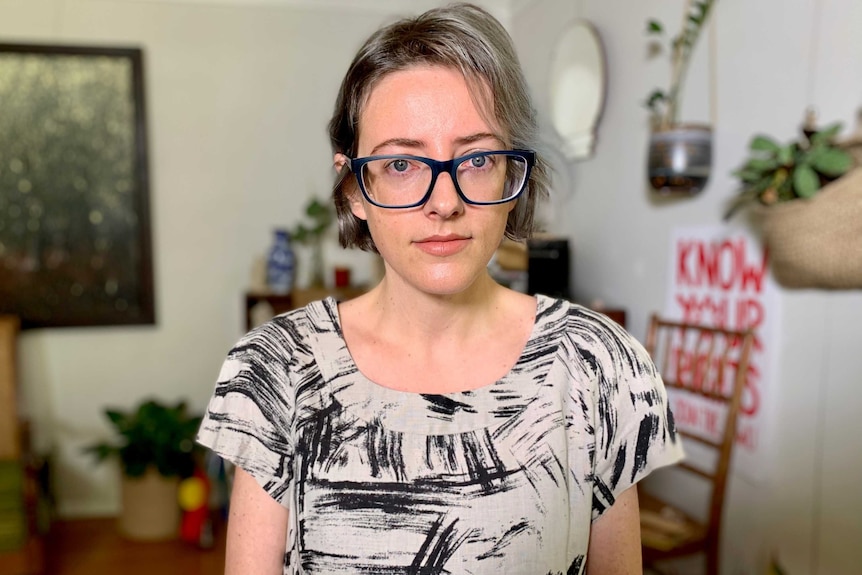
(449, 284)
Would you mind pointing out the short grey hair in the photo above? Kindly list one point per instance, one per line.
(460, 36)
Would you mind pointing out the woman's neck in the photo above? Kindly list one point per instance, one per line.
(395, 305)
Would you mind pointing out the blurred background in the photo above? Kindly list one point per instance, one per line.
(238, 94)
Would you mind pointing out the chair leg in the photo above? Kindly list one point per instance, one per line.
(712, 561)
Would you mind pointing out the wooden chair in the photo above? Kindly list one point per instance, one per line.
(707, 365)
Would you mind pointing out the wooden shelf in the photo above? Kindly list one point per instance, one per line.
(281, 303)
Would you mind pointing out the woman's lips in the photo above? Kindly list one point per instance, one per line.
(442, 245)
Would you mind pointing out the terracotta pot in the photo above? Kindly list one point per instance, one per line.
(680, 159)
(150, 508)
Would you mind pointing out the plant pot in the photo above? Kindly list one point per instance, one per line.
(680, 159)
(150, 510)
(817, 242)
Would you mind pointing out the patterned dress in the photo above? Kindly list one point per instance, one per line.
(504, 479)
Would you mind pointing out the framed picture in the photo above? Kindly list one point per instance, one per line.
(75, 245)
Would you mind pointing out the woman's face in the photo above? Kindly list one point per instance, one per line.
(443, 246)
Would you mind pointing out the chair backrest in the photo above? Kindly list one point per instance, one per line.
(709, 365)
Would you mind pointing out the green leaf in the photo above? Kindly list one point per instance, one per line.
(826, 134)
(101, 451)
(154, 434)
(300, 233)
(762, 184)
(785, 155)
(785, 191)
(748, 176)
(762, 164)
(765, 144)
(831, 162)
(119, 419)
(654, 27)
(805, 181)
(655, 97)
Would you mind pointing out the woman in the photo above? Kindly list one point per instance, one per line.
(439, 423)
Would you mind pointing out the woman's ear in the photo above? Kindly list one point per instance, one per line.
(338, 162)
(349, 187)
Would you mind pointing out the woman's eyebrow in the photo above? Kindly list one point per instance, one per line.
(479, 137)
(410, 143)
(403, 142)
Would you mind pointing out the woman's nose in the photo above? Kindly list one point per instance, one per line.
(444, 201)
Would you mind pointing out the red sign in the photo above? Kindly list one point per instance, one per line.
(720, 277)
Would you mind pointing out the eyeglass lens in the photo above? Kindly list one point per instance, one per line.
(487, 178)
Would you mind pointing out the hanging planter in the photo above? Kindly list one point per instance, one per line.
(680, 155)
(680, 159)
(808, 201)
(817, 242)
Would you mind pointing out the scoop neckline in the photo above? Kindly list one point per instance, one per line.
(333, 303)
(424, 413)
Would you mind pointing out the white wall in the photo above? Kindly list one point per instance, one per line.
(774, 58)
(238, 98)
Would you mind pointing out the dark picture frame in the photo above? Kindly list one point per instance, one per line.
(75, 243)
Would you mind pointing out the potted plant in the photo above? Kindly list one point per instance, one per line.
(808, 200)
(680, 155)
(311, 233)
(155, 447)
(776, 173)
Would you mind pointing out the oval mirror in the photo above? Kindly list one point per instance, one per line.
(577, 88)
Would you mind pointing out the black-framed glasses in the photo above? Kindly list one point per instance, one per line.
(480, 178)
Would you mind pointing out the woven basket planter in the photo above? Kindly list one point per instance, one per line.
(817, 242)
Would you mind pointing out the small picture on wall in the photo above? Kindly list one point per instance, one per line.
(74, 210)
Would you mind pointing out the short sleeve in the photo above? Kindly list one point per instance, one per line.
(250, 415)
(634, 426)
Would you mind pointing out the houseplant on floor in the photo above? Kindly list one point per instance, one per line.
(155, 447)
(807, 197)
(680, 155)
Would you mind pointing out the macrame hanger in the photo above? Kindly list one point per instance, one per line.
(813, 55)
(713, 74)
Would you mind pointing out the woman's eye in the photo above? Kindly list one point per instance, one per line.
(478, 161)
(400, 165)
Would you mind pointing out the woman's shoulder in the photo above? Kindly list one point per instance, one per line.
(594, 335)
(575, 318)
(293, 328)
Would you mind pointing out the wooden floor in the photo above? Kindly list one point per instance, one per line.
(93, 547)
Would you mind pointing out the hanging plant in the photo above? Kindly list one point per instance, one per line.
(807, 199)
(680, 155)
(777, 173)
(664, 106)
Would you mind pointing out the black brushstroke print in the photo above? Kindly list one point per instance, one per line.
(649, 430)
(577, 564)
(502, 479)
(446, 405)
(439, 546)
(619, 465)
